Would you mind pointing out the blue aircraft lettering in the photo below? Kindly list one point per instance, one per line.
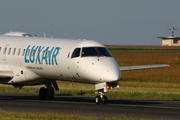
(41, 55)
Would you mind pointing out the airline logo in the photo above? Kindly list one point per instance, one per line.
(41, 54)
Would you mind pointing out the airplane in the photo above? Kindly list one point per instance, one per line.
(27, 60)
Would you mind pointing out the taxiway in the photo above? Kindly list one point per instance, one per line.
(86, 106)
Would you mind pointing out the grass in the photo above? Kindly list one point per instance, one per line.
(55, 116)
(142, 47)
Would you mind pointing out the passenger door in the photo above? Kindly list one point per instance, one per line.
(4, 52)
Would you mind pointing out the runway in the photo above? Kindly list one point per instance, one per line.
(86, 106)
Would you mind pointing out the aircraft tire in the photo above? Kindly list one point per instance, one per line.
(98, 99)
(42, 93)
(50, 95)
(104, 99)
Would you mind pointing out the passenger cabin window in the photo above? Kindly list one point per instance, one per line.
(9, 51)
(28, 52)
(76, 53)
(19, 51)
(14, 51)
(95, 51)
(5, 50)
(23, 52)
(49, 54)
(38, 52)
(43, 53)
(33, 52)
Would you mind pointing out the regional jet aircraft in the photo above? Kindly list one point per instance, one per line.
(27, 60)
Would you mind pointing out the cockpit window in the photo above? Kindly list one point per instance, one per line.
(76, 53)
(89, 51)
(95, 51)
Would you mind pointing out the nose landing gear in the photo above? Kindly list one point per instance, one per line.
(101, 89)
(101, 99)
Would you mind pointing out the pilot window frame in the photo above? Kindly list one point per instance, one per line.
(89, 52)
(76, 53)
(95, 52)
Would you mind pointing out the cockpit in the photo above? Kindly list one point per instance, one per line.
(91, 52)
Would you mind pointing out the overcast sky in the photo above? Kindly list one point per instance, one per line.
(115, 22)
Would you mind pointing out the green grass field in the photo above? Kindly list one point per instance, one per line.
(55, 116)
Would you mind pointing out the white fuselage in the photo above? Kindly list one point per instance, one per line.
(33, 60)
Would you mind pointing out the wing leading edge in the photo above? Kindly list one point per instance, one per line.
(140, 67)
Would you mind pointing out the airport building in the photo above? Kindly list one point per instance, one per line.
(170, 40)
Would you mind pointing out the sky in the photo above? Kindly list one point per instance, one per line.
(112, 22)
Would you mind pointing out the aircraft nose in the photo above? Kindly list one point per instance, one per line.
(105, 70)
(109, 73)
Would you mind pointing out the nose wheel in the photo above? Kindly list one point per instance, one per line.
(101, 99)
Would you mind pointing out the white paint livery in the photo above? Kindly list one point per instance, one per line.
(32, 60)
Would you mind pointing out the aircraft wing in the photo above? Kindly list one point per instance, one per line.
(140, 67)
(6, 75)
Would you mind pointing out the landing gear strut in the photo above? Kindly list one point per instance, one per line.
(49, 92)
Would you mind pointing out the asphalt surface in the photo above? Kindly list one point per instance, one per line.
(86, 106)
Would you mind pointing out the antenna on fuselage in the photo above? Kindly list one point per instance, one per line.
(11, 33)
(51, 34)
(44, 34)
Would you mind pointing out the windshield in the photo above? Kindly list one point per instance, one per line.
(76, 52)
(95, 51)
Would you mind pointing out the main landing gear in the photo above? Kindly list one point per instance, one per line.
(49, 92)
